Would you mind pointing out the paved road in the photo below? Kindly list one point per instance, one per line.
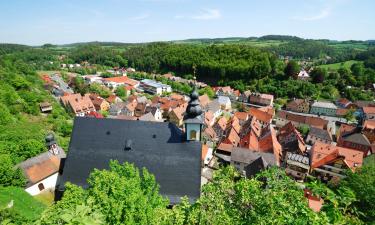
(61, 83)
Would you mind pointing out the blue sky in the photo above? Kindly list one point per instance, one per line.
(37, 22)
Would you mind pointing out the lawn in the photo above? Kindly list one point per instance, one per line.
(336, 66)
(23, 204)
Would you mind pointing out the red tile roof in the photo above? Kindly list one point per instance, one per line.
(260, 115)
(369, 124)
(122, 80)
(241, 115)
(322, 154)
(204, 151)
(369, 110)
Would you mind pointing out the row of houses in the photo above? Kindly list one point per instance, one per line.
(339, 109)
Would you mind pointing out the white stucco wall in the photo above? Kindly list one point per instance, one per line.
(190, 127)
(49, 183)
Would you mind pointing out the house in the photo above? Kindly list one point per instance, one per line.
(283, 117)
(140, 109)
(343, 103)
(113, 99)
(117, 108)
(207, 155)
(317, 134)
(369, 131)
(368, 113)
(99, 103)
(45, 107)
(90, 79)
(94, 115)
(303, 75)
(355, 140)
(242, 117)
(77, 104)
(172, 156)
(223, 91)
(154, 87)
(115, 82)
(209, 119)
(297, 165)
(176, 116)
(298, 105)
(155, 112)
(329, 162)
(224, 102)
(209, 134)
(215, 108)
(244, 97)
(204, 100)
(263, 117)
(290, 139)
(220, 126)
(261, 99)
(41, 171)
(249, 162)
(323, 108)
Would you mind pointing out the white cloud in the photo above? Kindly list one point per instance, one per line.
(205, 14)
(324, 13)
(142, 16)
(208, 14)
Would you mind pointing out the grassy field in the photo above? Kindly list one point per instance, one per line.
(336, 66)
(46, 197)
(23, 203)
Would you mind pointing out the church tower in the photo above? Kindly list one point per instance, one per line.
(193, 120)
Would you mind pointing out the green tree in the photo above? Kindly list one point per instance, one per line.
(292, 69)
(362, 182)
(123, 195)
(318, 75)
(10, 176)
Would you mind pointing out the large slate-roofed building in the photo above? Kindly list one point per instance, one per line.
(173, 157)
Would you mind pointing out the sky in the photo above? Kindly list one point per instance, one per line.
(36, 22)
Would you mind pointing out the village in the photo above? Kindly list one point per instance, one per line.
(245, 130)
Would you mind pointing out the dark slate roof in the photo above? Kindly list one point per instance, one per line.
(357, 138)
(245, 155)
(320, 133)
(159, 147)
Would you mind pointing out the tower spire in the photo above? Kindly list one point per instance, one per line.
(193, 118)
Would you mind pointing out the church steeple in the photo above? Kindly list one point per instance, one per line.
(193, 120)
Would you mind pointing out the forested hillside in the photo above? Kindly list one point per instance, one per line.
(23, 128)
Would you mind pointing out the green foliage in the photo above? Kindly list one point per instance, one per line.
(25, 208)
(96, 54)
(208, 91)
(120, 92)
(10, 176)
(362, 183)
(120, 195)
(292, 69)
(318, 75)
(304, 129)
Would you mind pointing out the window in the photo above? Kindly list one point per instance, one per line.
(41, 186)
(193, 135)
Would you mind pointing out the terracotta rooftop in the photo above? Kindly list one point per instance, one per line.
(369, 124)
(322, 154)
(225, 147)
(369, 110)
(204, 100)
(122, 80)
(260, 115)
(204, 151)
(78, 103)
(41, 166)
(241, 115)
